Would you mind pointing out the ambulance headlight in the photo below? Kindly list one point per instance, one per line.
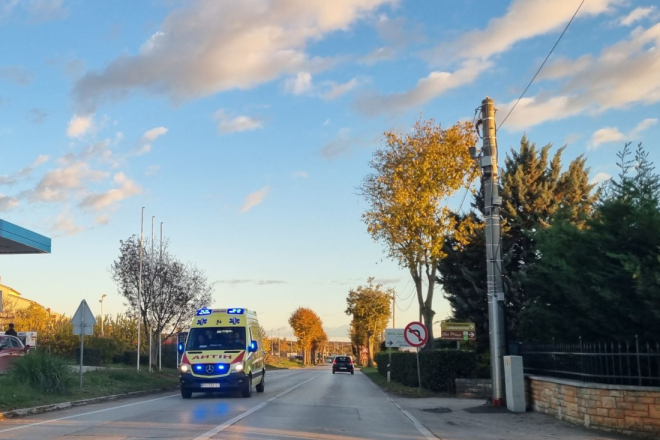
(237, 368)
(184, 368)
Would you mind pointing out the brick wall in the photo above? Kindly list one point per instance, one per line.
(628, 410)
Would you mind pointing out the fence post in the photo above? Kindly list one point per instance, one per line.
(639, 365)
(581, 359)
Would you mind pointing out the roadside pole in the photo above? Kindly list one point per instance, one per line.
(83, 322)
(160, 285)
(82, 346)
(419, 372)
(416, 334)
(495, 291)
(139, 314)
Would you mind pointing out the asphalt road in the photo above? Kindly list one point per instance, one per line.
(297, 404)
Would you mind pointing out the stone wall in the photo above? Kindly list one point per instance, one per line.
(473, 388)
(630, 410)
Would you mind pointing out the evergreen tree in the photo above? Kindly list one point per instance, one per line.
(602, 281)
(535, 191)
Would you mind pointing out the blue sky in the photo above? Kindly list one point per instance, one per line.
(246, 127)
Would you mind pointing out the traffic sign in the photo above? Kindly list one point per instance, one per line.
(458, 331)
(416, 334)
(394, 338)
(83, 320)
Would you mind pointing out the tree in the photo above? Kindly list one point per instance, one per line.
(171, 290)
(307, 327)
(413, 177)
(370, 307)
(535, 192)
(602, 281)
(318, 344)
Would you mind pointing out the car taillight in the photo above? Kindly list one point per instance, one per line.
(334, 362)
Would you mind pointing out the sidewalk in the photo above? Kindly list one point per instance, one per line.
(482, 423)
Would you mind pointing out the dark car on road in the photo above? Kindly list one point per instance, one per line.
(343, 363)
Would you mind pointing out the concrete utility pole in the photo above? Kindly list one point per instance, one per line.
(393, 309)
(160, 284)
(139, 298)
(492, 203)
(101, 301)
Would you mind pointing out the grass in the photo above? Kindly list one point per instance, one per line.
(15, 395)
(283, 364)
(396, 387)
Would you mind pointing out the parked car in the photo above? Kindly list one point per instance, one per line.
(10, 348)
(343, 363)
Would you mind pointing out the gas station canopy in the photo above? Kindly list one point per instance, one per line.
(17, 240)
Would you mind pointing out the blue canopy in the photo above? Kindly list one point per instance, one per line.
(17, 240)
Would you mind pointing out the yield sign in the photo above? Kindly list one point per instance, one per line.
(416, 334)
(83, 320)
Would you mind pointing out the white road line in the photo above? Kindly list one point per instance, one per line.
(420, 427)
(15, 428)
(228, 423)
(84, 414)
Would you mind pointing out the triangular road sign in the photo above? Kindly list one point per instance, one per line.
(83, 320)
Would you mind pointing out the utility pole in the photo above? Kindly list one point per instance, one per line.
(101, 301)
(151, 259)
(160, 285)
(139, 298)
(393, 309)
(492, 203)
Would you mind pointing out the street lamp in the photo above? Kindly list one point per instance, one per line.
(101, 301)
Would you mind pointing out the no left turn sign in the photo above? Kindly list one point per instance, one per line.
(416, 334)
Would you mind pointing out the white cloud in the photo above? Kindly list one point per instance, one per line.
(6, 7)
(563, 67)
(229, 124)
(644, 125)
(127, 188)
(79, 125)
(600, 178)
(435, 84)
(211, 46)
(637, 14)
(58, 185)
(612, 134)
(65, 224)
(624, 73)
(605, 136)
(300, 84)
(154, 133)
(300, 174)
(378, 55)
(102, 219)
(337, 90)
(12, 179)
(572, 137)
(152, 170)
(254, 199)
(7, 203)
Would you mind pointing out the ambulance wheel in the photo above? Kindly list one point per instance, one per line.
(261, 387)
(247, 391)
(186, 393)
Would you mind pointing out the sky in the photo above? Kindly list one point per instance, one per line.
(246, 127)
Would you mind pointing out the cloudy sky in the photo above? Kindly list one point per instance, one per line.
(246, 126)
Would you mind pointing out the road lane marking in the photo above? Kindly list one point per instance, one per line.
(238, 418)
(420, 427)
(15, 428)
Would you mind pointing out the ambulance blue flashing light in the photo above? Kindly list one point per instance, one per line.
(204, 312)
(235, 311)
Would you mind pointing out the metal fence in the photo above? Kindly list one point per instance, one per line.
(622, 363)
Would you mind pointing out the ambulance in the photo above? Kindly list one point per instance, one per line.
(223, 351)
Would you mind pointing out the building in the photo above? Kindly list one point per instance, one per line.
(12, 300)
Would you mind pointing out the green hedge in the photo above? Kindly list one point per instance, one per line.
(91, 356)
(439, 368)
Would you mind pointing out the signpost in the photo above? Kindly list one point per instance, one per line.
(394, 339)
(83, 324)
(416, 335)
(458, 331)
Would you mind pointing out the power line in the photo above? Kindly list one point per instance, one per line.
(543, 64)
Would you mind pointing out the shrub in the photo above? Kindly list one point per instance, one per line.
(108, 347)
(130, 358)
(439, 368)
(91, 356)
(118, 358)
(43, 371)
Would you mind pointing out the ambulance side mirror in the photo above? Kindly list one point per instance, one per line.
(253, 347)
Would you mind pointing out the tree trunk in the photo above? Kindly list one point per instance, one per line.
(370, 351)
(427, 310)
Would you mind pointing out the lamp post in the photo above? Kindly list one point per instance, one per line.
(101, 301)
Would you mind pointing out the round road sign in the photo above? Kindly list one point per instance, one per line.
(416, 334)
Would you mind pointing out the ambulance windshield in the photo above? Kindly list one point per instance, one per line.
(216, 338)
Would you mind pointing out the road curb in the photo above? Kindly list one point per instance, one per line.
(74, 403)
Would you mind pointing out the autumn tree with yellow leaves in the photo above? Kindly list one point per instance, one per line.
(413, 177)
(308, 328)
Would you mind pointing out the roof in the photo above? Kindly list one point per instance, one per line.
(17, 240)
